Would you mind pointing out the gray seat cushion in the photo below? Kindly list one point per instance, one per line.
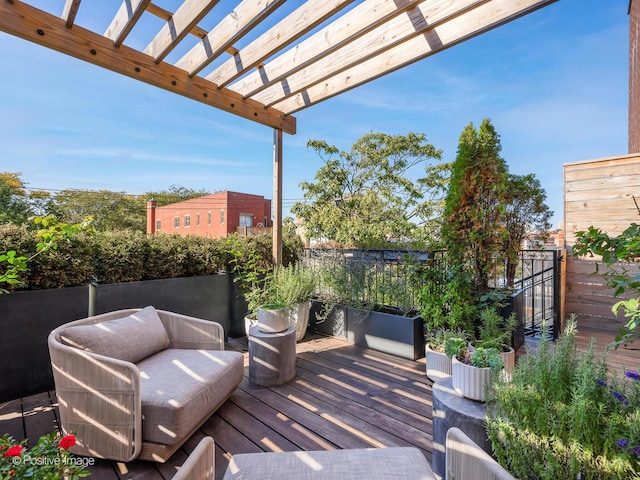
(179, 388)
(129, 338)
(398, 463)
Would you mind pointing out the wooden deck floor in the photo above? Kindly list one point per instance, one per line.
(343, 396)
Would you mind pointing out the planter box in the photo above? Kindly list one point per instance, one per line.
(516, 305)
(386, 332)
(207, 297)
(26, 321)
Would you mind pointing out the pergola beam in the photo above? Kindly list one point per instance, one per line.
(463, 27)
(178, 27)
(425, 17)
(341, 32)
(232, 28)
(35, 25)
(304, 19)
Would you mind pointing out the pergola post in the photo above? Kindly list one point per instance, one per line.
(277, 196)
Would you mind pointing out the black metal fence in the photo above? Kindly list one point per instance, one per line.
(395, 278)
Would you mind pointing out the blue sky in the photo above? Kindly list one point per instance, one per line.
(554, 83)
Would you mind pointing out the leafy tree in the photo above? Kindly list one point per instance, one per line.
(174, 194)
(475, 204)
(112, 210)
(14, 201)
(365, 197)
(525, 212)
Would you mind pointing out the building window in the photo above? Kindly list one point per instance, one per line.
(209, 218)
(246, 220)
(197, 219)
(222, 216)
(187, 221)
(158, 224)
(176, 222)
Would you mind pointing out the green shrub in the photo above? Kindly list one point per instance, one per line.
(125, 256)
(564, 416)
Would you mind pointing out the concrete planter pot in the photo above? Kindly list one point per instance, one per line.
(469, 381)
(273, 320)
(509, 360)
(438, 364)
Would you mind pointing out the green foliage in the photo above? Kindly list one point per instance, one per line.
(488, 211)
(15, 206)
(445, 298)
(490, 357)
(437, 338)
(618, 254)
(124, 256)
(174, 194)
(495, 331)
(367, 197)
(525, 212)
(563, 416)
(456, 346)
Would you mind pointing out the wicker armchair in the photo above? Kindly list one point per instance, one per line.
(132, 385)
(201, 463)
(467, 461)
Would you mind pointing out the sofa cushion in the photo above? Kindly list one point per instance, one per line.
(129, 338)
(398, 463)
(180, 388)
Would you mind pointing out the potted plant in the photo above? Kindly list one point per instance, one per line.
(438, 364)
(472, 371)
(495, 331)
(281, 299)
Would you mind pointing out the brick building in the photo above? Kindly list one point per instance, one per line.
(634, 76)
(213, 216)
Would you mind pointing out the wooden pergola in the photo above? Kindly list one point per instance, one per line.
(319, 50)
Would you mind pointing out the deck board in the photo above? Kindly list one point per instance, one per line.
(343, 396)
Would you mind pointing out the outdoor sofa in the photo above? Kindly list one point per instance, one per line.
(465, 460)
(138, 383)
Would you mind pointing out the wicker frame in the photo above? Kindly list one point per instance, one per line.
(99, 397)
(465, 460)
(200, 465)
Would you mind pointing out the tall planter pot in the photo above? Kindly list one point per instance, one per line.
(26, 320)
(299, 318)
(515, 304)
(328, 319)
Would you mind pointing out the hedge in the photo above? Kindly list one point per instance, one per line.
(125, 256)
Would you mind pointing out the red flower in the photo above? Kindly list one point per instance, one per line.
(66, 442)
(14, 451)
(12, 473)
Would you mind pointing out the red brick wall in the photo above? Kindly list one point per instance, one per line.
(232, 203)
(634, 76)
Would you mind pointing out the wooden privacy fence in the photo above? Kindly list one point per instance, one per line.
(597, 193)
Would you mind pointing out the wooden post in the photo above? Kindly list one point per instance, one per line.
(277, 196)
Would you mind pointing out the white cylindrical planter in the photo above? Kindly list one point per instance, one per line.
(509, 360)
(273, 321)
(469, 381)
(438, 364)
(299, 318)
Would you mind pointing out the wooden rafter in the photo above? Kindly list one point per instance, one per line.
(458, 29)
(178, 27)
(345, 29)
(308, 16)
(69, 12)
(33, 24)
(232, 28)
(128, 14)
(423, 18)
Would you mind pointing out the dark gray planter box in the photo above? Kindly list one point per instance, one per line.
(396, 334)
(206, 297)
(26, 320)
(516, 305)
